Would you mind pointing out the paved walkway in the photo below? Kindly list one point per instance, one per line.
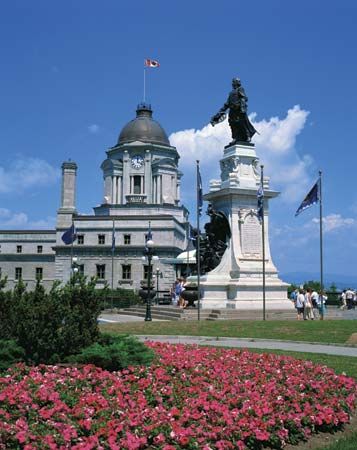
(255, 343)
(236, 342)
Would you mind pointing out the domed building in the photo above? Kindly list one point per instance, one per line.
(141, 189)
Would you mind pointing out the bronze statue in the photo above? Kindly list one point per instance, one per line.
(214, 243)
(237, 102)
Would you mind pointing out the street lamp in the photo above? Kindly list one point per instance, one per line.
(158, 274)
(74, 265)
(149, 254)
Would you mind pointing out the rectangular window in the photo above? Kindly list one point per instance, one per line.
(137, 184)
(39, 249)
(126, 274)
(101, 239)
(127, 239)
(81, 269)
(101, 271)
(39, 273)
(146, 272)
(19, 249)
(18, 273)
(80, 239)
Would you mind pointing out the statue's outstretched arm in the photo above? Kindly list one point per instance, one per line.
(220, 116)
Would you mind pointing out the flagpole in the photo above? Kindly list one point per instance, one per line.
(144, 85)
(321, 250)
(198, 254)
(263, 236)
(113, 250)
(72, 249)
(188, 245)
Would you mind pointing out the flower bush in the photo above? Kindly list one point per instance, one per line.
(189, 398)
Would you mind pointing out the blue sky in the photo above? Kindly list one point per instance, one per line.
(72, 75)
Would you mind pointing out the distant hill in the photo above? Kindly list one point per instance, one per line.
(341, 281)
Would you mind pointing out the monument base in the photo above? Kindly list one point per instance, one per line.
(237, 282)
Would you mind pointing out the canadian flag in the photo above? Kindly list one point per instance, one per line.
(151, 63)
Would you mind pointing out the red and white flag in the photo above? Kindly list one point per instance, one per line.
(151, 63)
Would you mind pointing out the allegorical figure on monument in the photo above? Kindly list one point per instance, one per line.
(237, 103)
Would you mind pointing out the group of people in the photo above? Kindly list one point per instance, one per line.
(309, 303)
(176, 293)
(348, 299)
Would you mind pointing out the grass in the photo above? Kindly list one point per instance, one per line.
(340, 364)
(345, 443)
(329, 331)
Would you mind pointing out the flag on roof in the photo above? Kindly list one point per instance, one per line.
(151, 63)
(311, 198)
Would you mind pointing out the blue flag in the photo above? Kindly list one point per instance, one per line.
(69, 236)
(199, 191)
(311, 198)
(149, 233)
(260, 199)
(113, 237)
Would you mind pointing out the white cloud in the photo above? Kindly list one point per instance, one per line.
(94, 128)
(20, 220)
(27, 173)
(275, 146)
(334, 222)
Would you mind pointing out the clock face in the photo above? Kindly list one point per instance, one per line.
(137, 161)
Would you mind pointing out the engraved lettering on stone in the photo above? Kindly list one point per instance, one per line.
(251, 236)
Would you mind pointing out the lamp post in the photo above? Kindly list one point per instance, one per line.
(158, 274)
(149, 255)
(74, 265)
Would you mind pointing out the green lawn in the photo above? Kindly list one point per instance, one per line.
(329, 331)
(340, 364)
(344, 443)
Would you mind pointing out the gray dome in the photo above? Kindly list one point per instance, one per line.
(143, 128)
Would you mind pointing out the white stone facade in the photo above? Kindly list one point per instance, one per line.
(237, 281)
(141, 185)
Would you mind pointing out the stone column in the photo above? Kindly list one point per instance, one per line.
(147, 178)
(108, 188)
(114, 191)
(126, 176)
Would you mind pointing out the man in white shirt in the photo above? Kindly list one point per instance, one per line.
(314, 301)
(299, 304)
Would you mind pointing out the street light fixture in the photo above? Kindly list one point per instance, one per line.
(74, 267)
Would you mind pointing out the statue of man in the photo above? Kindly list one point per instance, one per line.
(237, 103)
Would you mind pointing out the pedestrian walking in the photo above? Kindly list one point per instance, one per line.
(314, 302)
(308, 314)
(299, 304)
(343, 300)
(321, 302)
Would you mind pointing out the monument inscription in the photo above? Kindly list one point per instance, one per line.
(251, 236)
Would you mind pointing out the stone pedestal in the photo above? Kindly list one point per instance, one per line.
(237, 282)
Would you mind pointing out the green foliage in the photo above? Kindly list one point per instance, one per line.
(314, 285)
(114, 353)
(119, 298)
(51, 326)
(10, 353)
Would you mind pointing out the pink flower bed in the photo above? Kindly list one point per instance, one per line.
(194, 398)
